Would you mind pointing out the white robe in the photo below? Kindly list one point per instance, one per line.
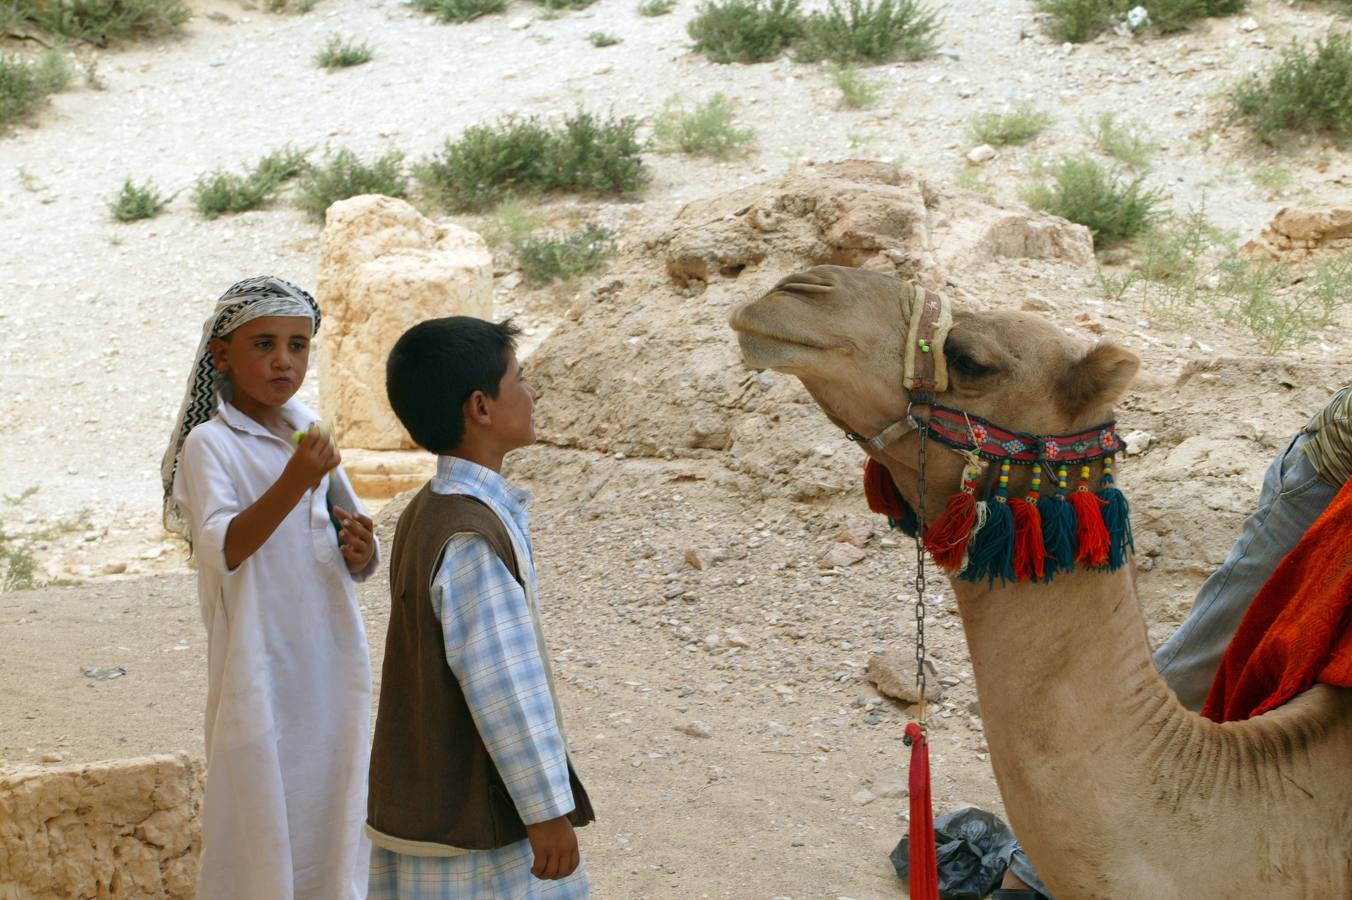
(289, 676)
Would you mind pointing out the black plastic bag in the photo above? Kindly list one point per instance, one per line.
(973, 849)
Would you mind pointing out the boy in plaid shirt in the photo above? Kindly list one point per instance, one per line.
(472, 794)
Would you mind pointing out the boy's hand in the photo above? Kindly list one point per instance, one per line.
(555, 846)
(356, 541)
(315, 456)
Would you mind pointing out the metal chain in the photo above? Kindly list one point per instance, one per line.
(920, 584)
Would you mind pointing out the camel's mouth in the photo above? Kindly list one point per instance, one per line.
(767, 348)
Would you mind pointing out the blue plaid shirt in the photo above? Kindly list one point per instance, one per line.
(492, 649)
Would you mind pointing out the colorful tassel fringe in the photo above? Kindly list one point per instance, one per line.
(1116, 517)
(1032, 538)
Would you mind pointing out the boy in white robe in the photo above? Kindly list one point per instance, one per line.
(278, 537)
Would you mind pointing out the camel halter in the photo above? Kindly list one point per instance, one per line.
(1029, 538)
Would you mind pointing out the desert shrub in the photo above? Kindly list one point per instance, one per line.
(603, 39)
(560, 5)
(705, 130)
(1020, 125)
(100, 21)
(134, 202)
(343, 174)
(1113, 207)
(26, 83)
(297, 7)
(508, 223)
(1122, 142)
(341, 53)
(1305, 91)
(746, 31)
(223, 192)
(650, 8)
(1082, 20)
(865, 31)
(459, 10)
(554, 257)
(492, 162)
(856, 91)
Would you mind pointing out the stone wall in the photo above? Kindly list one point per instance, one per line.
(125, 829)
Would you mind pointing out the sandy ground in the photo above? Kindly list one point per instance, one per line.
(795, 792)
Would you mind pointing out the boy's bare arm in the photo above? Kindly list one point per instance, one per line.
(554, 843)
(248, 531)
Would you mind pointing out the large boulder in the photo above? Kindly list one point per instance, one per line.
(383, 268)
(126, 829)
(1297, 233)
(646, 364)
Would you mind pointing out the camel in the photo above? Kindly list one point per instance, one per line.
(1114, 788)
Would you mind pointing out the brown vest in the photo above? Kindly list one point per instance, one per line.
(432, 779)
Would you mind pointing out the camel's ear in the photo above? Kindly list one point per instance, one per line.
(1096, 379)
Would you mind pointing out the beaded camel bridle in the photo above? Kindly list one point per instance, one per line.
(1027, 538)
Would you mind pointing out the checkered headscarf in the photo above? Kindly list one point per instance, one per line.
(244, 301)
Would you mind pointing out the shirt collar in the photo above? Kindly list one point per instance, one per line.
(481, 481)
(293, 411)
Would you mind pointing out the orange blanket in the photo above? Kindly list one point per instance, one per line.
(1298, 630)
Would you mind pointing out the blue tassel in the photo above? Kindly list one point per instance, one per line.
(1116, 515)
(991, 551)
(1058, 533)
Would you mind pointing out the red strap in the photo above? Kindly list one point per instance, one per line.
(924, 865)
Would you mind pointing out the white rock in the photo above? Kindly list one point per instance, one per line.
(981, 154)
(519, 23)
(383, 268)
(1138, 442)
(841, 554)
(696, 729)
(864, 797)
(1249, 24)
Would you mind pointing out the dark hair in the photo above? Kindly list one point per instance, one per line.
(436, 366)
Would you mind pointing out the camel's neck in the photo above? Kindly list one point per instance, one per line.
(1069, 696)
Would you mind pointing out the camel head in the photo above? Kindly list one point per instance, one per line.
(843, 332)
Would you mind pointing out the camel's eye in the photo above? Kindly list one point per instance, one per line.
(964, 365)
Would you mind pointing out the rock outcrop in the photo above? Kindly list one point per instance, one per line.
(1297, 233)
(383, 268)
(127, 829)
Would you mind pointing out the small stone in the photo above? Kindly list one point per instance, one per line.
(603, 69)
(54, 756)
(890, 785)
(864, 797)
(696, 729)
(777, 728)
(1138, 442)
(734, 639)
(841, 554)
(950, 681)
(893, 674)
(1249, 24)
(983, 153)
(696, 559)
(519, 23)
(114, 568)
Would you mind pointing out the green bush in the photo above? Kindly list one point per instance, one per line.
(225, 192)
(554, 257)
(706, 130)
(559, 5)
(862, 31)
(26, 83)
(459, 10)
(602, 39)
(1020, 125)
(99, 21)
(490, 163)
(340, 53)
(135, 202)
(1305, 91)
(1082, 20)
(1113, 208)
(747, 31)
(1122, 142)
(856, 91)
(344, 175)
(652, 8)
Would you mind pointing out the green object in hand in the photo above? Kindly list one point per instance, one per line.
(324, 430)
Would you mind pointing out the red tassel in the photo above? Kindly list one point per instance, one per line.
(946, 539)
(1091, 531)
(924, 865)
(1030, 554)
(881, 491)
